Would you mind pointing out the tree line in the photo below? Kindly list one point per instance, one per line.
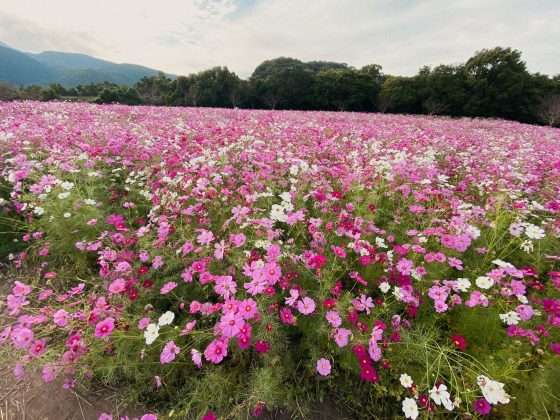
(492, 83)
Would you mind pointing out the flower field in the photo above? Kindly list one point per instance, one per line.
(221, 263)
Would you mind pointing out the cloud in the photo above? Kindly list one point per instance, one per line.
(26, 35)
(182, 36)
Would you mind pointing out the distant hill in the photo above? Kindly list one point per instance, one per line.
(68, 69)
(18, 68)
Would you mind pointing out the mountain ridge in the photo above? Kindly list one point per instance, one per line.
(68, 69)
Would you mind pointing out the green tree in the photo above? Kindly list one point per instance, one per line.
(497, 80)
(403, 94)
(442, 90)
(153, 90)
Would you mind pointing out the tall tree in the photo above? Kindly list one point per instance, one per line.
(496, 80)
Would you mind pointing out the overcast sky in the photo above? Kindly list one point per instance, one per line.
(184, 36)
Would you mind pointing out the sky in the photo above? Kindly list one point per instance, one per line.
(186, 36)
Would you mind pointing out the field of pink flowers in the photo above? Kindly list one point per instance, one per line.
(225, 263)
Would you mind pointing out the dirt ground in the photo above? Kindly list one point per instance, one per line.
(32, 399)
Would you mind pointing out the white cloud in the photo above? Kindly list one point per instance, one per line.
(182, 36)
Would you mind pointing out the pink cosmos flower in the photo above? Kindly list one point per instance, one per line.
(104, 328)
(440, 306)
(334, 318)
(271, 273)
(50, 372)
(167, 287)
(19, 371)
(169, 352)
(525, 312)
(374, 351)
(216, 351)
(157, 262)
(339, 252)
(205, 238)
(220, 250)
(118, 286)
(230, 324)
(255, 286)
(38, 347)
(188, 328)
(196, 358)
(405, 266)
(143, 323)
(21, 289)
(237, 239)
(323, 367)
(306, 306)
(60, 318)
(292, 300)
(341, 336)
(248, 308)
(225, 286)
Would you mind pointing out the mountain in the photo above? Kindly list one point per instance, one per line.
(18, 68)
(68, 69)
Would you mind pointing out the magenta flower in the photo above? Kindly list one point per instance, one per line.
(104, 328)
(262, 346)
(482, 406)
(169, 352)
(287, 316)
(323, 367)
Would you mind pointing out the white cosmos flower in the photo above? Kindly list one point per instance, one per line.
(63, 195)
(523, 299)
(166, 318)
(527, 246)
(493, 391)
(410, 408)
(484, 282)
(406, 380)
(286, 196)
(534, 232)
(385, 287)
(67, 215)
(277, 213)
(439, 394)
(463, 284)
(151, 333)
(510, 318)
(67, 185)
